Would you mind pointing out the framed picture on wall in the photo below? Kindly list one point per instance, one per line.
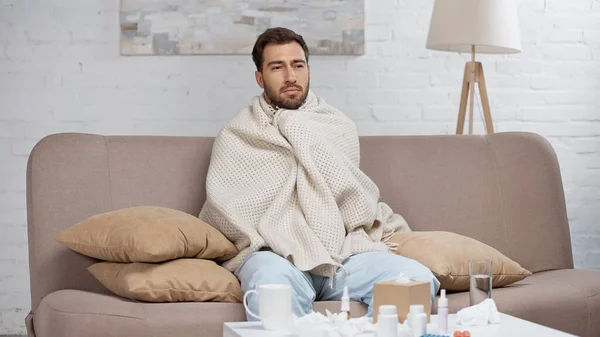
(193, 27)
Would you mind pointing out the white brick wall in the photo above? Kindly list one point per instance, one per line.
(60, 70)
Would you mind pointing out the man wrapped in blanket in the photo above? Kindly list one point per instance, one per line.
(284, 185)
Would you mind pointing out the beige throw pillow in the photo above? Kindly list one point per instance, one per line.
(146, 234)
(447, 255)
(181, 280)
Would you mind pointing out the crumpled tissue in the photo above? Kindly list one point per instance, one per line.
(316, 324)
(401, 278)
(483, 313)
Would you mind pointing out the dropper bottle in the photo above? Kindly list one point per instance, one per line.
(443, 312)
(346, 303)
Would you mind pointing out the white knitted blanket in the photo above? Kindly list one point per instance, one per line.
(290, 180)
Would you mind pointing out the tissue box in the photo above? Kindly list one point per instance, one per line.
(402, 295)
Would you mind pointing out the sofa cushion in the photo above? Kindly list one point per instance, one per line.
(180, 280)
(76, 313)
(447, 255)
(146, 234)
(566, 300)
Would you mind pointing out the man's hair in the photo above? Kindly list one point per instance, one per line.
(276, 35)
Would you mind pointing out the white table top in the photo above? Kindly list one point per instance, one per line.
(508, 326)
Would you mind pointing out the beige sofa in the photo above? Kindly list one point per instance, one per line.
(504, 189)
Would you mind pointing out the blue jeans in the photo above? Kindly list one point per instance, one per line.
(364, 270)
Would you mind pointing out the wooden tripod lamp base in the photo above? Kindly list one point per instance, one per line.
(473, 75)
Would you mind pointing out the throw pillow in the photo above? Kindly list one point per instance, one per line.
(447, 255)
(146, 234)
(181, 280)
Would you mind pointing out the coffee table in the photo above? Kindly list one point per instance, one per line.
(508, 326)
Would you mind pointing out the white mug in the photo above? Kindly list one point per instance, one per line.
(274, 305)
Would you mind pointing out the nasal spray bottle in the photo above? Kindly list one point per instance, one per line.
(346, 303)
(443, 312)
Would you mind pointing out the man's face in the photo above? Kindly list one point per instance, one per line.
(285, 76)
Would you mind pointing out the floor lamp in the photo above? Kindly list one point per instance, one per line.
(474, 26)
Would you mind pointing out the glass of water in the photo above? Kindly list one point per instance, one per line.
(480, 280)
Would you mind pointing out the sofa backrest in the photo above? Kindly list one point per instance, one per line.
(503, 189)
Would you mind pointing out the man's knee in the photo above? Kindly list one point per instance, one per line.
(423, 273)
(269, 268)
(419, 272)
(410, 268)
(266, 268)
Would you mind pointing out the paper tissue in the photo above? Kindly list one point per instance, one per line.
(483, 313)
(402, 292)
(336, 325)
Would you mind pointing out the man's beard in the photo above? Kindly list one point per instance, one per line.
(282, 101)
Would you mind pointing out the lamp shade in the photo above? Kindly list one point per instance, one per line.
(490, 25)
